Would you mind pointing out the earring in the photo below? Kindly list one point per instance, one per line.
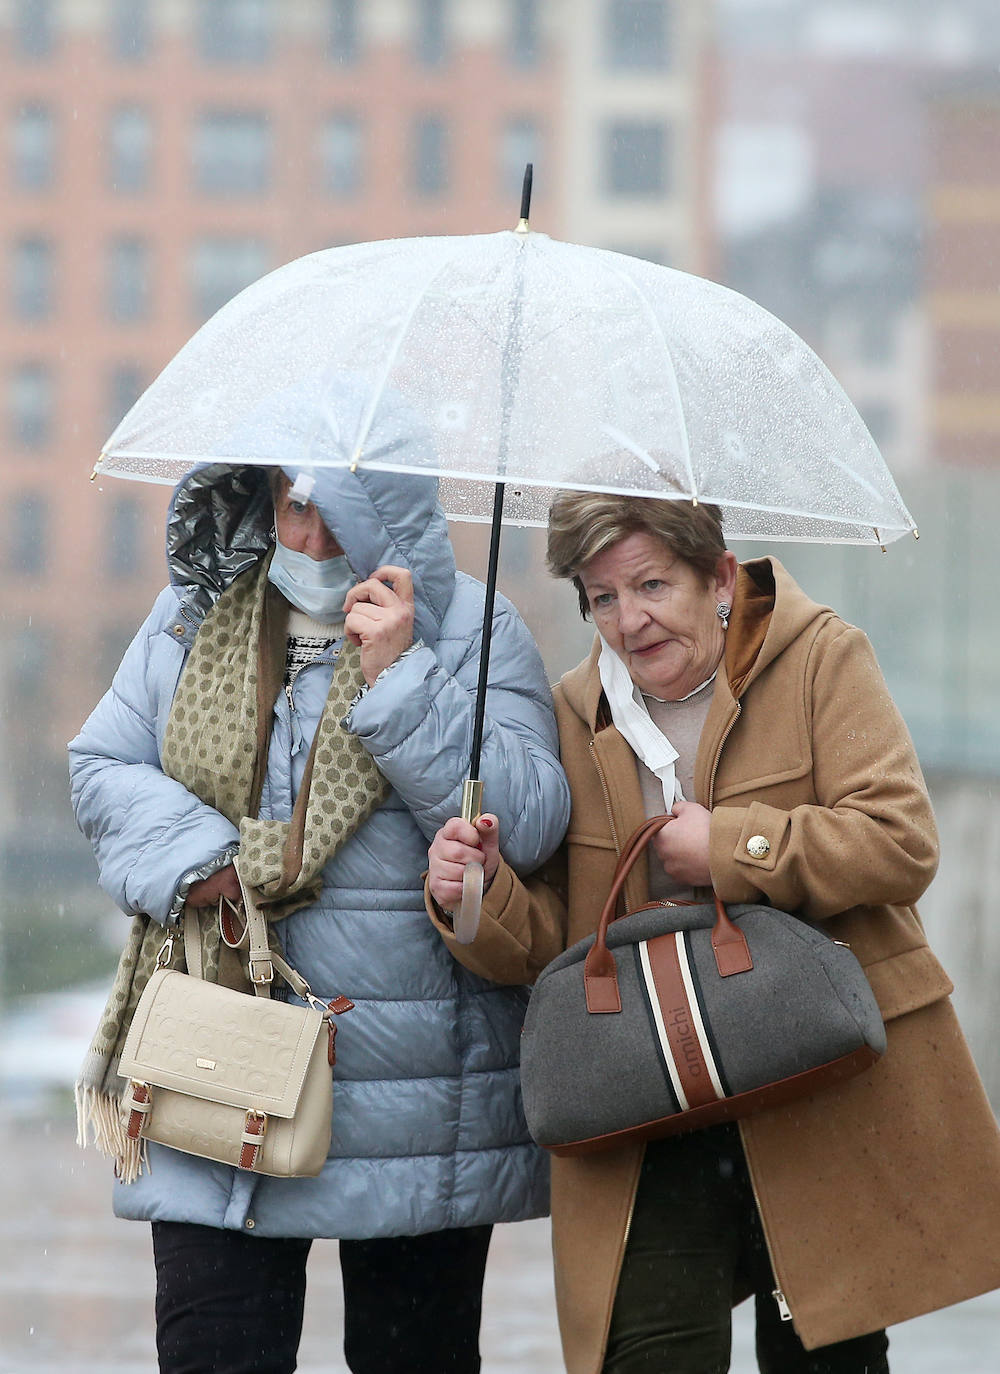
(722, 611)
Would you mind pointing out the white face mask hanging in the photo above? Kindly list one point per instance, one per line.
(633, 721)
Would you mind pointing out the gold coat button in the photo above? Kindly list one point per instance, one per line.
(758, 846)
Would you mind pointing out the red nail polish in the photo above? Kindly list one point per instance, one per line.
(485, 820)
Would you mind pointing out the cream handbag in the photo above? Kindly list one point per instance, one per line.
(243, 1080)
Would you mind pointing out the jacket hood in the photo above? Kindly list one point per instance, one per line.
(221, 518)
(770, 610)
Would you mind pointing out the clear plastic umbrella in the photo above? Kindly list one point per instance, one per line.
(601, 371)
(533, 365)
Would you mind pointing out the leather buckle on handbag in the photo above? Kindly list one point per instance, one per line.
(139, 1103)
(265, 976)
(254, 1130)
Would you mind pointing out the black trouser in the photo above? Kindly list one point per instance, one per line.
(229, 1303)
(695, 1239)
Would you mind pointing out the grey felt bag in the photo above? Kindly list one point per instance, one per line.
(675, 1017)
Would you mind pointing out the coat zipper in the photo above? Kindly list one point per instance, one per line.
(784, 1311)
(607, 796)
(718, 753)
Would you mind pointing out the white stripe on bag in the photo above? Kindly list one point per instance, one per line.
(654, 1002)
(696, 1021)
(697, 1024)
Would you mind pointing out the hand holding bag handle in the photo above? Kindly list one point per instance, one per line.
(600, 977)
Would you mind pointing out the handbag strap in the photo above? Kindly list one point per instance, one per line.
(246, 925)
(600, 972)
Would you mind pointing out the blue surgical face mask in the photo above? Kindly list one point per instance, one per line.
(316, 586)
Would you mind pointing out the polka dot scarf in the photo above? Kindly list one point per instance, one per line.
(218, 735)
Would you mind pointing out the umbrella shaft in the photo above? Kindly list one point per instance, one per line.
(484, 654)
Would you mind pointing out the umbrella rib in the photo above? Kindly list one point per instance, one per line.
(393, 354)
(651, 314)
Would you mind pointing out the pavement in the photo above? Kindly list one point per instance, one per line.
(76, 1285)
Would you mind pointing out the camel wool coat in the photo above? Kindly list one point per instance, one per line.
(880, 1198)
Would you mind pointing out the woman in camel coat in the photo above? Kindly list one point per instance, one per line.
(870, 1203)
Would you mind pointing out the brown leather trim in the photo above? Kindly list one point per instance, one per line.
(139, 1093)
(254, 1126)
(602, 992)
(729, 1108)
(685, 1047)
(732, 953)
(233, 925)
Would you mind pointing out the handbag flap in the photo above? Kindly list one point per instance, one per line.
(224, 1046)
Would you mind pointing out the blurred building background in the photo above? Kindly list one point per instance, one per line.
(834, 159)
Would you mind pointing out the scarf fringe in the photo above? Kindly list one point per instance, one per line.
(100, 1114)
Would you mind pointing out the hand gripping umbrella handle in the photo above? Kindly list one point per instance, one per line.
(467, 920)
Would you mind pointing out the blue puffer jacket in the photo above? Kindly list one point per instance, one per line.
(428, 1131)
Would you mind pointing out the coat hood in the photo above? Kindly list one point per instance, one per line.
(221, 518)
(770, 610)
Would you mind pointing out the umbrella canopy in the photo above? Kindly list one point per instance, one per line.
(534, 363)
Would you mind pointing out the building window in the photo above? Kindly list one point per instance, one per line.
(525, 45)
(876, 337)
(30, 400)
(235, 30)
(130, 147)
(123, 545)
(432, 32)
(128, 279)
(112, 641)
(635, 159)
(131, 29)
(232, 152)
(29, 671)
(34, 27)
(636, 34)
(519, 144)
(33, 148)
(31, 278)
(430, 155)
(340, 154)
(345, 34)
(28, 530)
(222, 267)
(126, 384)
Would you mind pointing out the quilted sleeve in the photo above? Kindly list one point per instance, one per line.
(417, 723)
(147, 830)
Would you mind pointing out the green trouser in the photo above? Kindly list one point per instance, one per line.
(695, 1239)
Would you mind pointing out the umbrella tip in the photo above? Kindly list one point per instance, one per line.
(522, 224)
(916, 532)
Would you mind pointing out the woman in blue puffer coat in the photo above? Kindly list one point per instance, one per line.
(429, 1145)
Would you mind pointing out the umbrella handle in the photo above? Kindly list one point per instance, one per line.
(467, 921)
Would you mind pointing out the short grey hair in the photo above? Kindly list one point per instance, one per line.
(583, 524)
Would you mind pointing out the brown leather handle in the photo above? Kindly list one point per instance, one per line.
(600, 973)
